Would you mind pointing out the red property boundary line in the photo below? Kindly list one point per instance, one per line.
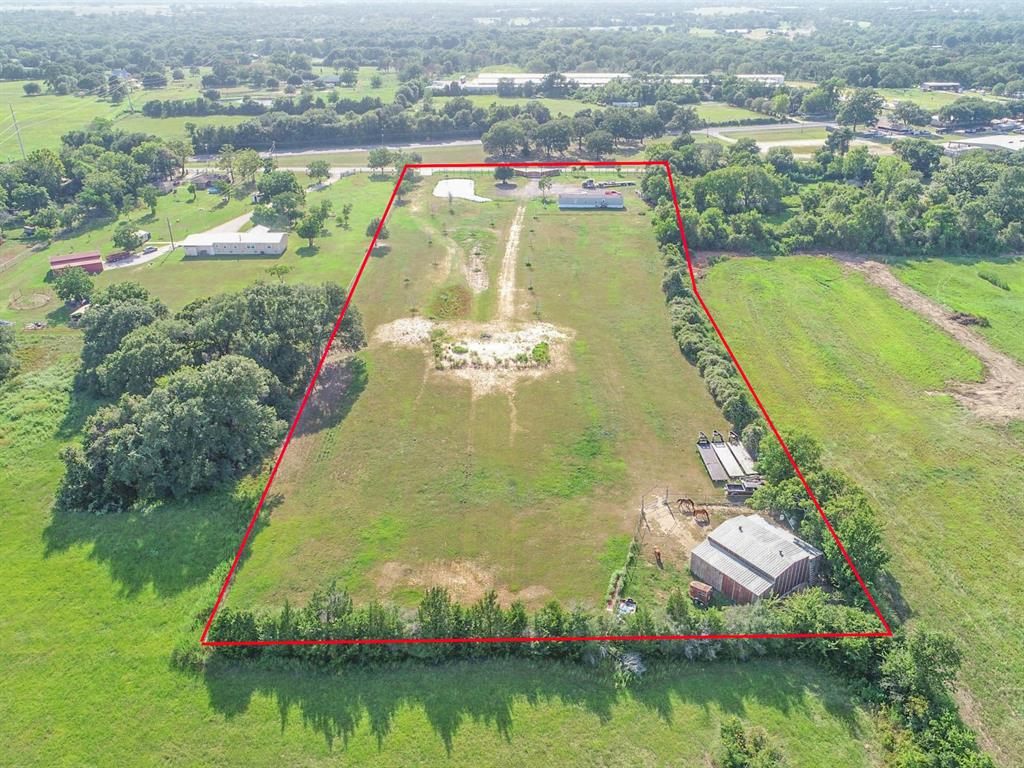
(409, 640)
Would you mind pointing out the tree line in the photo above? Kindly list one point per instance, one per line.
(864, 44)
(912, 203)
(909, 677)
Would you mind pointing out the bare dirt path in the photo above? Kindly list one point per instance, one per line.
(507, 276)
(1000, 397)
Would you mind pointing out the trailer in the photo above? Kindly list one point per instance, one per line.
(725, 456)
(744, 459)
(591, 184)
(710, 459)
(743, 489)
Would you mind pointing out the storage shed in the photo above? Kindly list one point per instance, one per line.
(591, 199)
(747, 558)
(89, 261)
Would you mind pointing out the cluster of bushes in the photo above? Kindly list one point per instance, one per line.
(200, 396)
(201, 106)
(856, 523)
(701, 346)
(8, 357)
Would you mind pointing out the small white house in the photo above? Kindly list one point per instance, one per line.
(251, 243)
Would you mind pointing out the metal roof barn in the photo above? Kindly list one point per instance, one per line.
(748, 558)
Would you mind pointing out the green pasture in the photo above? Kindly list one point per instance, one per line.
(779, 135)
(931, 100)
(715, 113)
(364, 87)
(417, 482)
(835, 356)
(95, 605)
(567, 107)
(957, 284)
(45, 118)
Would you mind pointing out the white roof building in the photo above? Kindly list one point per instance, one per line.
(487, 82)
(258, 241)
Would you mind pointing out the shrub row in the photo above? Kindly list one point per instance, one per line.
(701, 346)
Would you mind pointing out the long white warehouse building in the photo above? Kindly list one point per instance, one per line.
(488, 82)
(251, 243)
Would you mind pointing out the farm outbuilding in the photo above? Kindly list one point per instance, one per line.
(89, 261)
(747, 558)
(591, 199)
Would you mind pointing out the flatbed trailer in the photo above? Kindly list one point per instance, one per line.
(745, 460)
(710, 459)
(725, 456)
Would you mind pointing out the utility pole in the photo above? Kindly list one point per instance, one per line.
(170, 233)
(17, 130)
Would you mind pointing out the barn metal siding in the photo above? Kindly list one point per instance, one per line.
(736, 592)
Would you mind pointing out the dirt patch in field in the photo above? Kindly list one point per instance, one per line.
(23, 301)
(466, 581)
(475, 270)
(672, 528)
(507, 278)
(1000, 396)
(490, 357)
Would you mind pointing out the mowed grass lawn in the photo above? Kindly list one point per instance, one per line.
(931, 100)
(535, 495)
(567, 107)
(958, 285)
(715, 113)
(93, 607)
(830, 354)
(780, 134)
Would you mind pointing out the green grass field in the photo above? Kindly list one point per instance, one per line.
(957, 285)
(780, 135)
(45, 118)
(833, 355)
(95, 605)
(567, 107)
(716, 113)
(535, 493)
(932, 100)
(358, 158)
